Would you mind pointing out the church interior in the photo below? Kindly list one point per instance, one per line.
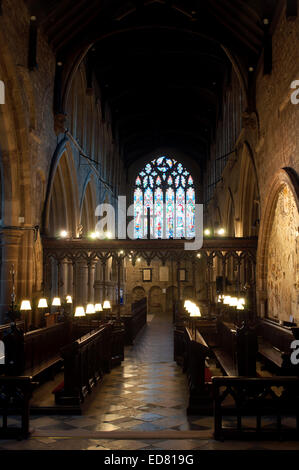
(149, 225)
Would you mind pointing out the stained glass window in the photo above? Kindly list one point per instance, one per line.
(166, 189)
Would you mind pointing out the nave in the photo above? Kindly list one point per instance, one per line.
(140, 405)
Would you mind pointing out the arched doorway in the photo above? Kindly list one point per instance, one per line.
(156, 302)
(171, 298)
(138, 293)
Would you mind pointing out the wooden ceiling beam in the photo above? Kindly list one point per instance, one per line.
(76, 26)
(61, 10)
(231, 22)
(252, 24)
(65, 21)
(235, 33)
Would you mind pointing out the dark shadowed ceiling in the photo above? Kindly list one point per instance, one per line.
(161, 64)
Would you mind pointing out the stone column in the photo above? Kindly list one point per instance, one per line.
(10, 241)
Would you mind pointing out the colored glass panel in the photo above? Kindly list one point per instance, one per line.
(158, 225)
(190, 213)
(148, 203)
(170, 213)
(180, 213)
(138, 209)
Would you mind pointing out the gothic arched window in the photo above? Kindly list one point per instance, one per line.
(166, 189)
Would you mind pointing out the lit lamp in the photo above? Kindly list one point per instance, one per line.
(79, 312)
(233, 302)
(69, 299)
(56, 302)
(195, 313)
(98, 308)
(42, 304)
(226, 299)
(90, 310)
(107, 306)
(25, 307)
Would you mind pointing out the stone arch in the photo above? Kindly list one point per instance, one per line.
(88, 206)
(138, 293)
(229, 223)
(188, 292)
(248, 208)
(155, 303)
(61, 208)
(285, 185)
(16, 114)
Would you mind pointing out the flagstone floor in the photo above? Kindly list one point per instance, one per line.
(142, 404)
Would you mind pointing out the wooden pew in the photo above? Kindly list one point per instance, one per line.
(191, 351)
(197, 350)
(85, 362)
(15, 394)
(236, 349)
(274, 345)
(35, 352)
(239, 397)
(42, 347)
(135, 322)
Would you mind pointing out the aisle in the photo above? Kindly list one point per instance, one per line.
(141, 404)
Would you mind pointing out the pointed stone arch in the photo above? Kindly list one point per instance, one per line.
(285, 180)
(62, 206)
(88, 206)
(248, 209)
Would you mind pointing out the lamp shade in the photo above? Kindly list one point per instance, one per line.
(226, 299)
(106, 305)
(98, 307)
(233, 301)
(195, 312)
(240, 307)
(241, 301)
(42, 303)
(56, 302)
(80, 312)
(25, 305)
(69, 299)
(90, 309)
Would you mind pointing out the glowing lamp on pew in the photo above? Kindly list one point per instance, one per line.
(240, 307)
(233, 302)
(42, 303)
(106, 305)
(195, 312)
(63, 234)
(25, 305)
(80, 312)
(98, 308)
(56, 302)
(69, 299)
(90, 309)
(187, 304)
(241, 301)
(226, 299)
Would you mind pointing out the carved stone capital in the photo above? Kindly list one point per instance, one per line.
(59, 123)
(249, 121)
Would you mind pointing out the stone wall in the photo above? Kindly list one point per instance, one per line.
(283, 259)
(268, 142)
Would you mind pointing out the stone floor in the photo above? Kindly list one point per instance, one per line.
(139, 405)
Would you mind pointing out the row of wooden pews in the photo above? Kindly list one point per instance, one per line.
(86, 350)
(241, 395)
